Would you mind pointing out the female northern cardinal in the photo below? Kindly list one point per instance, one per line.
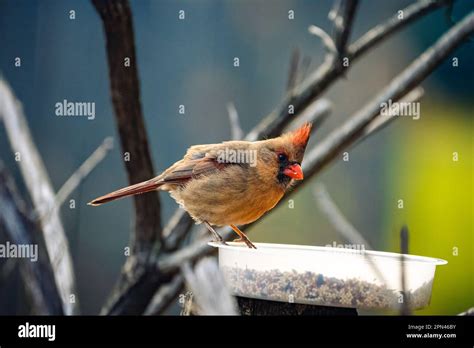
(232, 183)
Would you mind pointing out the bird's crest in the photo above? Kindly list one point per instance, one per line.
(300, 136)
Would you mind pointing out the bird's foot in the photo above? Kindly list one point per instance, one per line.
(217, 236)
(246, 241)
(220, 241)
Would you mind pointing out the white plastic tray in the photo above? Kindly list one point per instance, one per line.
(327, 276)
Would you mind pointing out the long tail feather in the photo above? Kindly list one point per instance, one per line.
(142, 187)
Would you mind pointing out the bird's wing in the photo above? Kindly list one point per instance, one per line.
(200, 160)
(187, 169)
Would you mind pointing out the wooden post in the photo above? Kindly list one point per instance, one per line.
(251, 306)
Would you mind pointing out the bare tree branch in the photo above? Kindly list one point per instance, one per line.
(37, 274)
(117, 20)
(39, 186)
(344, 16)
(326, 39)
(380, 32)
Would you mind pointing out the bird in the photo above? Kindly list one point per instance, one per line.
(232, 183)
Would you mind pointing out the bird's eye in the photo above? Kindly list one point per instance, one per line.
(282, 157)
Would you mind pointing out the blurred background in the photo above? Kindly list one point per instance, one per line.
(190, 62)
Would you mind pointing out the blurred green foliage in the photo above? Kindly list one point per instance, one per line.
(438, 201)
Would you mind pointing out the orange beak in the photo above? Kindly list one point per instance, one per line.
(294, 171)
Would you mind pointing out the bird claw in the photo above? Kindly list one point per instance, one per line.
(246, 241)
(220, 241)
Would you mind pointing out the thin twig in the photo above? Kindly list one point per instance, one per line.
(39, 186)
(344, 16)
(335, 9)
(293, 70)
(303, 70)
(236, 130)
(79, 175)
(337, 219)
(326, 39)
(83, 171)
(405, 307)
(343, 226)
